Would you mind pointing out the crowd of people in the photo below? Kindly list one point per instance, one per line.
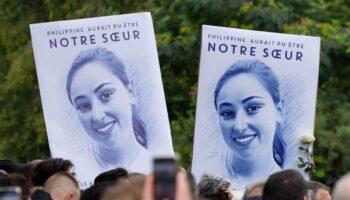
(55, 179)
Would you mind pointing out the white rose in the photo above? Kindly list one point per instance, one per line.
(307, 139)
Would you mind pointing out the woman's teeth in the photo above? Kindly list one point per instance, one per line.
(245, 140)
(105, 127)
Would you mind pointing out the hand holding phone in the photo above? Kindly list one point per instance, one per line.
(181, 184)
(164, 178)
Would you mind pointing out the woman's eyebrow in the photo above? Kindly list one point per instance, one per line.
(79, 97)
(250, 98)
(224, 104)
(100, 86)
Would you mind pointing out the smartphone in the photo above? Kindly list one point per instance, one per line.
(10, 193)
(165, 173)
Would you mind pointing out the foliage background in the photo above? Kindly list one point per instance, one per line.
(178, 27)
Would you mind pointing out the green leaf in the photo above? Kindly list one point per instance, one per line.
(320, 173)
(308, 169)
(318, 159)
(302, 165)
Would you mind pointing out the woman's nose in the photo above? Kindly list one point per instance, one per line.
(240, 122)
(98, 113)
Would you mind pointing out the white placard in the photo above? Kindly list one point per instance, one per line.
(102, 93)
(256, 98)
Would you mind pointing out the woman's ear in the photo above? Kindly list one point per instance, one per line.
(279, 111)
(130, 89)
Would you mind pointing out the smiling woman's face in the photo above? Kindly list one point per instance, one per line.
(102, 104)
(248, 116)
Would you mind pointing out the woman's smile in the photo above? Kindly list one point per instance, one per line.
(245, 140)
(105, 128)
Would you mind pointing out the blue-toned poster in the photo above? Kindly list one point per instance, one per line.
(102, 93)
(256, 99)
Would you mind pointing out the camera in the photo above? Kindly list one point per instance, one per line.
(165, 173)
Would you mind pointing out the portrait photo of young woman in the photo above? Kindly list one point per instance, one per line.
(108, 109)
(102, 95)
(250, 111)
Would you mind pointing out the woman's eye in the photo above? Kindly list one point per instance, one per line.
(253, 108)
(227, 114)
(106, 95)
(83, 107)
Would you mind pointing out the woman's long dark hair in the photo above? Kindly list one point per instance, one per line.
(114, 65)
(269, 80)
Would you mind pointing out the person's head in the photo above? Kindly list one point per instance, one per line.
(49, 167)
(62, 186)
(137, 179)
(95, 191)
(248, 102)
(214, 188)
(100, 91)
(285, 185)
(114, 175)
(14, 179)
(127, 191)
(254, 191)
(342, 188)
(11, 167)
(29, 174)
(103, 191)
(318, 190)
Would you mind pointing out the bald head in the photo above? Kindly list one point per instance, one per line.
(62, 186)
(342, 188)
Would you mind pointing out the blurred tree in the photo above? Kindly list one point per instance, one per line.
(178, 28)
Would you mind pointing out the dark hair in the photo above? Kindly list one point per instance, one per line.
(114, 65)
(11, 167)
(40, 194)
(111, 176)
(49, 167)
(214, 188)
(270, 81)
(95, 191)
(285, 185)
